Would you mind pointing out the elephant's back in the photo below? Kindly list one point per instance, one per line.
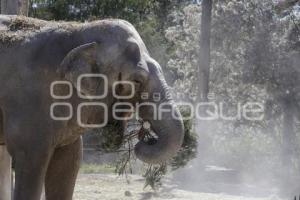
(27, 41)
(23, 51)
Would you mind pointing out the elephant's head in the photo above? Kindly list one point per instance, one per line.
(126, 59)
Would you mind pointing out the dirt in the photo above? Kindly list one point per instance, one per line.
(113, 187)
(17, 28)
(24, 24)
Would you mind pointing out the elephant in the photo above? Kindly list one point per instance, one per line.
(55, 73)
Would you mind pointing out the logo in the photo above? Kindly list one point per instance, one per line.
(207, 111)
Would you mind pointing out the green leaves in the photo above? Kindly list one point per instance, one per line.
(153, 176)
(131, 10)
(188, 150)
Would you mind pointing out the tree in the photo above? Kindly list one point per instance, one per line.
(12, 7)
(249, 63)
(203, 71)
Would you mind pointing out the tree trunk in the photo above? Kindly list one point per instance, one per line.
(204, 54)
(288, 132)
(289, 146)
(14, 7)
(203, 81)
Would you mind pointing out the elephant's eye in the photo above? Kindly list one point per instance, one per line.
(137, 82)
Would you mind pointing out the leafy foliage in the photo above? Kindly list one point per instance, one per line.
(154, 175)
(112, 136)
(188, 150)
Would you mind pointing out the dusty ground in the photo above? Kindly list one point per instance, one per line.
(112, 187)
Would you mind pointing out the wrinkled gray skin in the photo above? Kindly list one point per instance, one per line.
(49, 151)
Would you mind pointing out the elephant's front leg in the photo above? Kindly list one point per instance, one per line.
(30, 171)
(62, 171)
(29, 143)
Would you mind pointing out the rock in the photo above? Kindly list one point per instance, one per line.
(128, 194)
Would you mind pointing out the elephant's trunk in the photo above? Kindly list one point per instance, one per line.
(169, 130)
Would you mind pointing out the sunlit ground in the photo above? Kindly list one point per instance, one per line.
(113, 187)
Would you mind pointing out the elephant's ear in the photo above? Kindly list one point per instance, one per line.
(133, 52)
(79, 61)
